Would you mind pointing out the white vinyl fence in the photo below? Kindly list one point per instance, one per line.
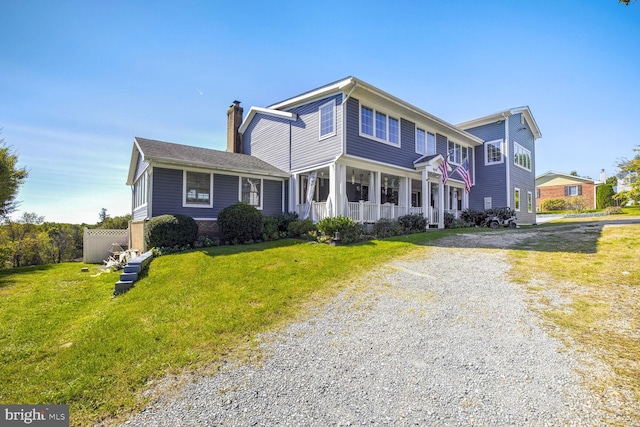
(96, 243)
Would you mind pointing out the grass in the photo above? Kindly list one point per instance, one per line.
(65, 339)
(592, 300)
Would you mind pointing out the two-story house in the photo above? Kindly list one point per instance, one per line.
(346, 148)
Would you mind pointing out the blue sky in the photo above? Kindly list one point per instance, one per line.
(80, 79)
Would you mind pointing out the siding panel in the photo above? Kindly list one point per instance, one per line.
(268, 138)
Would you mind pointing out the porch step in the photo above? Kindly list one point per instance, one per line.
(131, 273)
(128, 277)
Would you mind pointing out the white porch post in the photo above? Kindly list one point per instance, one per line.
(376, 190)
(334, 191)
(441, 189)
(293, 192)
(404, 194)
(425, 193)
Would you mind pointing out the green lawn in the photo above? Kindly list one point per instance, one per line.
(65, 339)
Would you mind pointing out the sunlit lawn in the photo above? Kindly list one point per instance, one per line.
(65, 339)
(601, 313)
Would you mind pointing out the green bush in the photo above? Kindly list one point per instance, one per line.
(413, 223)
(170, 231)
(450, 221)
(284, 219)
(474, 217)
(240, 223)
(270, 228)
(387, 228)
(558, 204)
(604, 196)
(614, 210)
(301, 228)
(348, 228)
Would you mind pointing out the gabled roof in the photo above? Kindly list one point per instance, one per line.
(501, 115)
(354, 86)
(548, 176)
(185, 155)
(430, 160)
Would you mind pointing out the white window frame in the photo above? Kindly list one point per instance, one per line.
(486, 152)
(331, 104)
(186, 204)
(569, 190)
(424, 132)
(375, 129)
(529, 202)
(519, 152)
(517, 199)
(261, 195)
(431, 152)
(140, 193)
(456, 148)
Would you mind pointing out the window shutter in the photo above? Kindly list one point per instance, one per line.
(579, 190)
(566, 190)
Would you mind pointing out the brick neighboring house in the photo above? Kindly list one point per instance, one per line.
(554, 185)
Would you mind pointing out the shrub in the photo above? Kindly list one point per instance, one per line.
(557, 204)
(413, 223)
(387, 228)
(240, 223)
(577, 203)
(301, 228)
(348, 228)
(614, 210)
(284, 219)
(170, 231)
(270, 228)
(474, 217)
(604, 196)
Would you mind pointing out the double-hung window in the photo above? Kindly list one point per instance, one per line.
(327, 114)
(140, 191)
(251, 191)
(521, 156)
(493, 152)
(198, 189)
(573, 190)
(516, 198)
(529, 201)
(457, 153)
(425, 142)
(379, 126)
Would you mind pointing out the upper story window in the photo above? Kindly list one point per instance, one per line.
(198, 189)
(521, 156)
(140, 191)
(493, 152)
(251, 191)
(379, 126)
(327, 119)
(457, 152)
(425, 142)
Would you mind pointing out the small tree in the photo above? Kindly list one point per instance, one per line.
(604, 196)
(240, 223)
(11, 178)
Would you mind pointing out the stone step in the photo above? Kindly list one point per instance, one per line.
(129, 268)
(128, 277)
(123, 286)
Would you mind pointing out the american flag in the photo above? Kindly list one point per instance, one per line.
(463, 171)
(444, 168)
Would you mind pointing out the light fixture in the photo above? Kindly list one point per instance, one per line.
(353, 178)
(386, 183)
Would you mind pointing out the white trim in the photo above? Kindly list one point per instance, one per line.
(507, 164)
(425, 141)
(267, 111)
(185, 204)
(219, 171)
(526, 151)
(517, 201)
(530, 205)
(261, 195)
(486, 157)
(333, 119)
(374, 137)
(502, 115)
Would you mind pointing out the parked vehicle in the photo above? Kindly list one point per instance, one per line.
(504, 217)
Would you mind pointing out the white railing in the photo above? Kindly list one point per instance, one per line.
(415, 210)
(317, 212)
(434, 216)
(366, 212)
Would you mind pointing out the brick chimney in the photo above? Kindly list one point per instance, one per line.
(234, 119)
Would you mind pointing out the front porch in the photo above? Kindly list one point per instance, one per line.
(367, 194)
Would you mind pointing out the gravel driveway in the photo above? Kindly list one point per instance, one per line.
(443, 339)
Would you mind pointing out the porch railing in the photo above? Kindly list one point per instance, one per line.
(366, 212)
(317, 212)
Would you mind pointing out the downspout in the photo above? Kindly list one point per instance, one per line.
(506, 155)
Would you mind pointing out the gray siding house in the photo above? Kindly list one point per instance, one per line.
(346, 148)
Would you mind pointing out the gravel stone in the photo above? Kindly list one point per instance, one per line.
(442, 339)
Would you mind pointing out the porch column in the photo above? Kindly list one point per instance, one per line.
(425, 196)
(333, 190)
(293, 192)
(404, 194)
(441, 189)
(377, 190)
